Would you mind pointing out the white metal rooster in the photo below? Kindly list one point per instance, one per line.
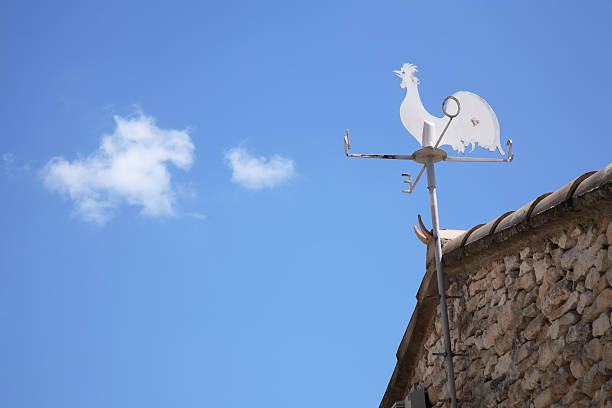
(475, 122)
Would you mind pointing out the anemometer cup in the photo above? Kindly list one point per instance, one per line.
(444, 106)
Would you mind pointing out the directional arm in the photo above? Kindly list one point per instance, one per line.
(347, 147)
(482, 160)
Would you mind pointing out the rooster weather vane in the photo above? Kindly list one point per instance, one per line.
(471, 122)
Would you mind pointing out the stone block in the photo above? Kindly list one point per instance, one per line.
(498, 282)
(606, 355)
(530, 297)
(555, 296)
(523, 352)
(556, 255)
(526, 267)
(511, 262)
(505, 343)
(557, 347)
(504, 363)
(578, 333)
(529, 361)
(592, 278)
(517, 395)
(559, 327)
(530, 311)
(477, 286)
(472, 304)
(543, 399)
(594, 378)
(503, 404)
(552, 275)
(508, 316)
(490, 363)
(481, 273)
(601, 286)
(546, 355)
(488, 295)
(601, 324)
(566, 241)
(525, 253)
(572, 351)
(519, 297)
(461, 379)
(490, 335)
(576, 232)
(561, 380)
(601, 303)
(581, 402)
(591, 256)
(527, 281)
(577, 368)
(478, 343)
(574, 392)
(533, 328)
(569, 304)
(586, 299)
(531, 378)
(602, 261)
(498, 295)
(603, 396)
(498, 267)
(569, 257)
(475, 368)
(593, 350)
(540, 266)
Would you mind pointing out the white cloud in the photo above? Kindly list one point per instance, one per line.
(255, 173)
(7, 161)
(11, 166)
(129, 167)
(196, 215)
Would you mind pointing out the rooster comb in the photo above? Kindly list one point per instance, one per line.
(412, 70)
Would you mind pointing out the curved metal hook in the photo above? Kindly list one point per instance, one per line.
(424, 235)
(424, 229)
(421, 236)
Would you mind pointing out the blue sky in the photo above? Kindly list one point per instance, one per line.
(181, 227)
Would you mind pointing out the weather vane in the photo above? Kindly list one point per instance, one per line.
(471, 122)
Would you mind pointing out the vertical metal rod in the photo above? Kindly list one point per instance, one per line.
(433, 201)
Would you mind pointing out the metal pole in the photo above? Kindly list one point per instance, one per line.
(433, 201)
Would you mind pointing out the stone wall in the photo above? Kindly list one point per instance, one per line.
(534, 307)
(536, 324)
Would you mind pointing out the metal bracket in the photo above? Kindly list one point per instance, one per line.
(447, 296)
(444, 354)
(409, 181)
(443, 401)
